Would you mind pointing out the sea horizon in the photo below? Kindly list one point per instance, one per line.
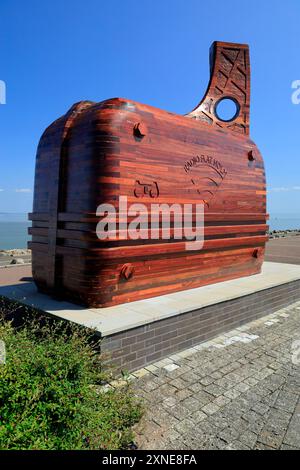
(14, 227)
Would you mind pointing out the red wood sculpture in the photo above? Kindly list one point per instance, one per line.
(98, 151)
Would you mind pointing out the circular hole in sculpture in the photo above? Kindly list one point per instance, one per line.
(227, 109)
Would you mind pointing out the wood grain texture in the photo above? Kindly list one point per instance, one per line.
(99, 151)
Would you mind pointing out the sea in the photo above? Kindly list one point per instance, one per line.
(13, 228)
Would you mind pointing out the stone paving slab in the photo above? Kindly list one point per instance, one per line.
(238, 391)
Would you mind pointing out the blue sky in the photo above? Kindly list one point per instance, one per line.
(54, 53)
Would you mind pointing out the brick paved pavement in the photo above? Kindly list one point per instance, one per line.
(239, 391)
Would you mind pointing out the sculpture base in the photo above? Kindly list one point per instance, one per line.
(145, 331)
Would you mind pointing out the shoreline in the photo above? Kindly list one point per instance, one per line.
(284, 233)
(22, 256)
(15, 257)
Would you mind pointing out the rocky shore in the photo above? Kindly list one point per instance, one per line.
(14, 257)
(284, 233)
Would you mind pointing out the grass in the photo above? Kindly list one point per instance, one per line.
(50, 391)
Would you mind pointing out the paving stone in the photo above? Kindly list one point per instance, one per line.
(215, 390)
(242, 387)
(261, 446)
(250, 381)
(260, 408)
(286, 401)
(185, 423)
(178, 383)
(216, 444)
(208, 429)
(255, 426)
(292, 436)
(196, 387)
(278, 420)
(229, 434)
(198, 416)
(191, 404)
(173, 435)
(241, 424)
(141, 373)
(149, 386)
(221, 401)
(248, 438)
(181, 395)
(225, 382)
(167, 390)
(287, 447)
(207, 380)
(237, 445)
(203, 398)
(213, 377)
(219, 420)
(180, 412)
(171, 401)
(190, 377)
(232, 394)
(272, 439)
(210, 408)
(171, 367)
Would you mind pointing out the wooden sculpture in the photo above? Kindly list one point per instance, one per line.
(99, 151)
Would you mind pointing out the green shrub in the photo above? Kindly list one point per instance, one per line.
(49, 392)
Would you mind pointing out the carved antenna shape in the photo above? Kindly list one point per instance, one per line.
(229, 79)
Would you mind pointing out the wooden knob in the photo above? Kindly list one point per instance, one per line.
(139, 130)
(127, 271)
(251, 156)
(257, 252)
